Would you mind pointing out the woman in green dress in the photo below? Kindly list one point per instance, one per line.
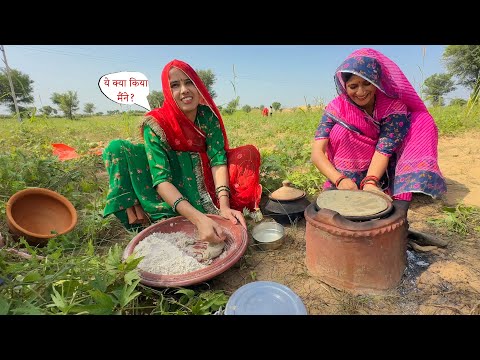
(184, 165)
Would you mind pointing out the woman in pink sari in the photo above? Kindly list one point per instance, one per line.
(377, 134)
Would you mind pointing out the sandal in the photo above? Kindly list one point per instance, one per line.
(136, 215)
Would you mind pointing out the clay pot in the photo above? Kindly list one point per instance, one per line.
(235, 246)
(39, 214)
(361, 257)
(286, 204)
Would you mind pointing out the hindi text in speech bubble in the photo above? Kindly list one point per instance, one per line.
(126, 88)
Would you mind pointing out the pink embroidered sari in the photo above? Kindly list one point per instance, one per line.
(401, 128)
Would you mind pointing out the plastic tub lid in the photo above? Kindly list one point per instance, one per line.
(265, 298)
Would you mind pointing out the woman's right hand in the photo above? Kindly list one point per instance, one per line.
(209, 230)
(347, 184)
(377, 190)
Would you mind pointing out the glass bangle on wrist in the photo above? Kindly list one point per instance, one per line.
(175, 204)
(342, 177)
(221, 188)
(370, 179)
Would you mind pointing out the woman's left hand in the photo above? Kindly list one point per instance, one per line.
(234, 216)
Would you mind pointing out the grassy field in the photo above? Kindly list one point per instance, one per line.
(84, 273)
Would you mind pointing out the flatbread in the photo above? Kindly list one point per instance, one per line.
(352, 202)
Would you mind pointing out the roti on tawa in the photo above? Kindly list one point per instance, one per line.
(352, 202)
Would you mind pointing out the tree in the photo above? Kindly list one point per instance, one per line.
(66, 102)
(89, 108)
(458, 102)
(155, 99)
(22, 86)
(463, 62)
(48, 110)
(247, 108)
(232, 106)
(276, 106)
(436, 86)
(208, 78)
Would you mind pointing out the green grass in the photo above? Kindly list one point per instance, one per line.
(455, 120)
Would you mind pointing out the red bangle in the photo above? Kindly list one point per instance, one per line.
(339, 180)
(369, 178)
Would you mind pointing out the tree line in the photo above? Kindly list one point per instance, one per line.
(462, 63)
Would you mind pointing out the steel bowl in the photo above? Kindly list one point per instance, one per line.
(269, 235)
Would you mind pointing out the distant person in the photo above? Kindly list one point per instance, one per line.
(271, 110)
(184, 165)
(377, 134)
(265, 112)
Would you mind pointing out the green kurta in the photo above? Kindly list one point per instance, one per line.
(136, 169)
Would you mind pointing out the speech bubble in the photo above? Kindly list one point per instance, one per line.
(126, 88)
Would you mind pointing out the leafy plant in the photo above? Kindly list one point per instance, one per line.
(460, 219)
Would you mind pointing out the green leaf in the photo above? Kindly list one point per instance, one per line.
(90, 248)
(189, 293)
(93, 309)
(58, 300)
(114, 258)
(197, 309)
(131, 262)
(131, 276)
(206, 305)
(104, 303)
(102, 298)
(27, 309)
(126, 294)
(56, 255)
(100, 283)
(33, 276)
(4, 306)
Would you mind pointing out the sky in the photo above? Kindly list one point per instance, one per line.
(293, 75)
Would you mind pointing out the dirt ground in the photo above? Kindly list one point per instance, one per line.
(439, 281)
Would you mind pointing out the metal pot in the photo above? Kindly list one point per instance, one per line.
(286, 204)
(269, 235)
